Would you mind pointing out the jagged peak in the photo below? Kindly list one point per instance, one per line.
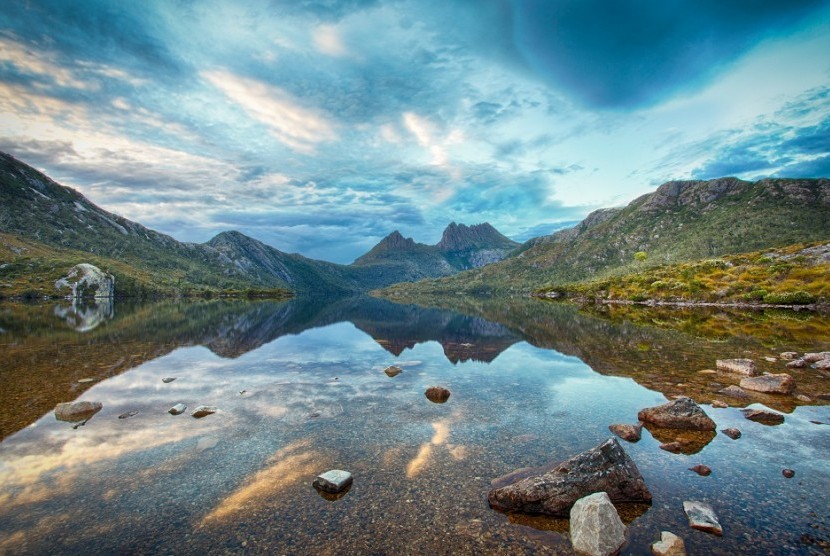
(458, 237)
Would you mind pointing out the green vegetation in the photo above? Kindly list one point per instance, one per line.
(795, 275)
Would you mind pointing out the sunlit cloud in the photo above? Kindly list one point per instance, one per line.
(327, 39)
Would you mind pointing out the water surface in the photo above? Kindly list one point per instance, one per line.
(300, 389)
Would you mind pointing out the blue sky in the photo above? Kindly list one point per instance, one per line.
(319, 126)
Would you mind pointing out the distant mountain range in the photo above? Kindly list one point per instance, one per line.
(47, 228)
(681, 221)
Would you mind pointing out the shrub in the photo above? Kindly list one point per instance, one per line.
(756, 295)
(790, 298)
(637, 297)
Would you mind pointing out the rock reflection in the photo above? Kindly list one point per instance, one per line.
(85, 314)
(685, 441)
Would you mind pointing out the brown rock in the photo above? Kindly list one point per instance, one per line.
(734, 434)
(393, 371)
(788, 473)
(681, 441)
(673, 447)
(437, 394)
(734, 391)
(744, 367)
(719, 404)
(627, 432)
(74, 412)
(797, 364)
(770, 384)
(762, 416)
(682, 413)
(606, 468)
(701, 469)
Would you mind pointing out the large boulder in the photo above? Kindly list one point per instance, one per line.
(86, 280)
(605, 468)
(738, 366)
(682, 413)
(74, 412)
(770, 384)
(596, 527)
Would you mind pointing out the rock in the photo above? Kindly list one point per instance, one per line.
(128, 414)
(630, 433)
(762, 416)
(86, 280)
(797, 364)
(604, 468)
(668, 545)
(708, 372)
(204, 411)
(168, 380)
(788, 473)
(734, 434)
(701, 469)
(770, 384)
(702, 517)
(803, 398)
(73, 412)
(85, 380)
(333, 481)
(770, 359)
(177, 409)
(682, 413)
(673, 447)
(734, 391)
(393, 371)
(437, 394)
(815, 357)
(744, 367)
(596, 527)
(719, 404)
(788, 355)
(823, 365)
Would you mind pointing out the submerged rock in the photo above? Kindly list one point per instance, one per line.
(668, 545)
(596, 528)
(627, 432)
(682, 413)
(177, 409)
(788, 473)
(719, 404)
(734, 391)
(744, 367)
(732, 433)
(437, 394)
(333, 481)
(673, 447)
(204, 411)
(763, 416)
(73, 412)
(770, 384)
(393, 371)
(128, 414)
(604, 468)
(702, 517)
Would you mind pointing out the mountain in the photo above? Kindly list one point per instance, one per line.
(680, 221)
(40, 216)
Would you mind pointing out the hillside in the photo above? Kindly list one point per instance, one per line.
(63, 228)
(680, 221)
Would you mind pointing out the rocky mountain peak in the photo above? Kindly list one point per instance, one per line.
(395, 242)
(460, 237)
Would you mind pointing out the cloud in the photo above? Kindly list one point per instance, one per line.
(327, 40)
(298, 127)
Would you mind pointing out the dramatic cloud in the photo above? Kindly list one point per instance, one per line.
(319, 126)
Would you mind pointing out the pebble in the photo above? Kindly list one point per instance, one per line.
(168, 379)
(85, 380)
(788, 473)
(701, 469)
(177, 409)
(204, 411)
(333, 481)
(734, 434)
(128, 414)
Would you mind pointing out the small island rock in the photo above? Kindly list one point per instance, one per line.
(668, 545)
(437, 394)
(701, 469)
(770, 384)
(604, 468)
(73, 412)
(168, 379)
(204, 411)
(596, 528)
(627, 432)
(177, 409)
(392, 371)
(744, 367)
(682, 413)
(732, 433)
(702, 517)
(763, 416)
(333, 481)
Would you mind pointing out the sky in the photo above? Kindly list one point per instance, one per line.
(320, 126)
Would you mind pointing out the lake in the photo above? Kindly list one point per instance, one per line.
(300, 389)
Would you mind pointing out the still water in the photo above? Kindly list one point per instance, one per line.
(300, 389)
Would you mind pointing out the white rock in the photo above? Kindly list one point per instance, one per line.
(668, 545)
(596, 528)
(744, 367)
(83, 277)
(177, 409)
(333, 481)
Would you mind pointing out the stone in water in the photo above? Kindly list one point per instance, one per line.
(333, 481)
(177, 409)
(204, 411)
